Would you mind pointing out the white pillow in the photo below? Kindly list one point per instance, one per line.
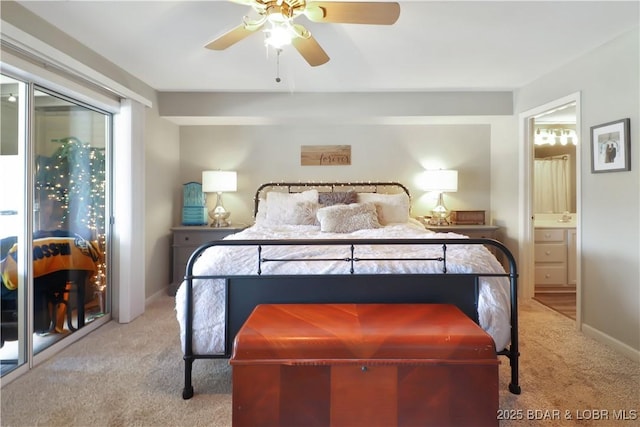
(391, 207)
(348, 218)
(261, 214)
(291, 208)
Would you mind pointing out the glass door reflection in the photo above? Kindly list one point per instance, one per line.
(70, 231)
(53, 229)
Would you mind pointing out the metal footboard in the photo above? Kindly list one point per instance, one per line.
(243, 292)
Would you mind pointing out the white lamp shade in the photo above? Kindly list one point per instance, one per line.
(441, 180)
(219, 181)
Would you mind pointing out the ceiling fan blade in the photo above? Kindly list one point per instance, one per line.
(244, 2)
(310, 50)
(353, 12)
(231, 37)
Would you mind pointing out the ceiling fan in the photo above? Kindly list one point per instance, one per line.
(278, 17)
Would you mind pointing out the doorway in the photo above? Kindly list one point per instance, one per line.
(554, 205)
(550, 197)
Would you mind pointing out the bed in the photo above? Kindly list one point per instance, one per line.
(340, 243)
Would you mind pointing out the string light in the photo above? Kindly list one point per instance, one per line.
(75, 178)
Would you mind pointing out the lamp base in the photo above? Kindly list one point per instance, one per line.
(439, 214)
(220, 219)
(437, 220)
(219, 214)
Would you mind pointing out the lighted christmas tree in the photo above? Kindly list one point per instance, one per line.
(74, 177)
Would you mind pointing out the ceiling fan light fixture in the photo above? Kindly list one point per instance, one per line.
(279, 35)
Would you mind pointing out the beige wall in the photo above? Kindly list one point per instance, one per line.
(162, 171)
(379, 152)
(608, 80)
(505, 209)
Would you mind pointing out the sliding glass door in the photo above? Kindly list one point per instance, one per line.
(55, 254)
(69, 227)
(13, 223)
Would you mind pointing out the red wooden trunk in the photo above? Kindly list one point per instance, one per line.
(363, 365)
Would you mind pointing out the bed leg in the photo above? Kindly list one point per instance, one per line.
(187, 392)
(514, 386)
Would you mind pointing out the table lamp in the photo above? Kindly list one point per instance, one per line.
(219, 182)
(442, 181)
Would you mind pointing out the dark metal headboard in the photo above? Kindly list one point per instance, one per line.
(329, 187)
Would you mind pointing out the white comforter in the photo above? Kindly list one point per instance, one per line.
(209, 301)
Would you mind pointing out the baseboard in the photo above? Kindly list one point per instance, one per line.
(173, 288)
(618, 346)
(158, 294)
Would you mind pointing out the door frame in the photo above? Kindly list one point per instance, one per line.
(525, 125)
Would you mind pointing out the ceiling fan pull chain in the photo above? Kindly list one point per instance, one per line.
(278, 51)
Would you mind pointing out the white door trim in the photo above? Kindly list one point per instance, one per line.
(525, 236)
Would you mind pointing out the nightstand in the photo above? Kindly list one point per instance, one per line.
(473, 231)
(186, 239)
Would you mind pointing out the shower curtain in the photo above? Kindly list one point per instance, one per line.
(551, 184)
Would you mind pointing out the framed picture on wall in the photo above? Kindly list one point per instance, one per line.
(610, 147)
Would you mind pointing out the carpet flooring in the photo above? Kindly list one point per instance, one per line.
(132, 375)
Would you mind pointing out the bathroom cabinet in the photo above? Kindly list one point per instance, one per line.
(555, 258)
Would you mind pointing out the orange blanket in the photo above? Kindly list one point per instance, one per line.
(52, 254)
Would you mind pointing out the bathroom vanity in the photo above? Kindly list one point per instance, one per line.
(555, 252)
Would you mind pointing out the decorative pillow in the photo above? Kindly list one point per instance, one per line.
(261, 214)
(291, 208)
(337, 198)
(348, 218)
(304, 213)
(391, 207)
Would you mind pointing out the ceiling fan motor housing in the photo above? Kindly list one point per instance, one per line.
(280, 11)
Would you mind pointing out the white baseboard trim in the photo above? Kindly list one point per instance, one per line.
(618, 346)
(160, 293)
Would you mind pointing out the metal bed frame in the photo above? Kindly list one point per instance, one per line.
(245, 292)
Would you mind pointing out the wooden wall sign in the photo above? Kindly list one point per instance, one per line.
(325, 155)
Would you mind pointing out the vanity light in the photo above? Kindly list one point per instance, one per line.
(564, 137)
(537, 138)
(553, 136)
(574, 137)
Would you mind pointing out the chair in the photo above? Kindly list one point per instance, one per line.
(51, 291)
(54, 290)
(8, 321)
(62, 266)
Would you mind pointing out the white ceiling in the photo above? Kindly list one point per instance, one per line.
(449, 45)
